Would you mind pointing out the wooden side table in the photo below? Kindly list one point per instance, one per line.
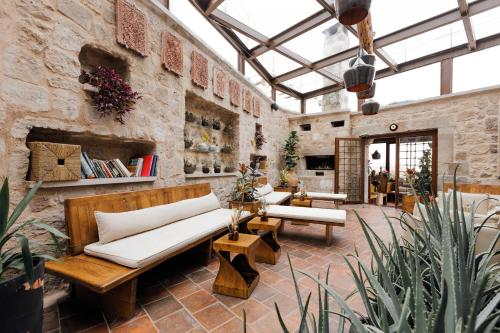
(268, 251)
(237, 277)
(301, 203)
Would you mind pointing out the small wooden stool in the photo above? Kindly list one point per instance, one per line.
(301, 203)
(237, 277)
(268, 251)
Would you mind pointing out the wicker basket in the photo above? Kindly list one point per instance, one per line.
(54, 161)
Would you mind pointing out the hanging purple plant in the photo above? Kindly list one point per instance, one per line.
(259, 138)
(113, 96)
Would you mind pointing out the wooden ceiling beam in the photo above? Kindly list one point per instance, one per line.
(457, 51)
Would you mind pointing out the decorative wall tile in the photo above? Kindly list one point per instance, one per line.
(172, 53)
(219, 83)
(247, 100)
(199, 69)
(256, 107)
(132, 27)
(234, 93)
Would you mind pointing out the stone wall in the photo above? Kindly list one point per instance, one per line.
(467, 125)
(39, 70)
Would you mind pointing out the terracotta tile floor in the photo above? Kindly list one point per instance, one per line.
(177, 296)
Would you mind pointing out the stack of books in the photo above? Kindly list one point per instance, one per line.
(143, 166)
(137, 167)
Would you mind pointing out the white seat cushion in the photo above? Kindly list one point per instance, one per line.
(324, 196)
(113, 226)
(308, 214)
(276, 198)
(142, 249)
(263, 190)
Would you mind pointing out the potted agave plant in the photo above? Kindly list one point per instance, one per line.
(21, 267)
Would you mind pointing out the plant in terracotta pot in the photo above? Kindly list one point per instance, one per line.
(216, 124)
(291, 157)
(259, 138)
(228, 129)
(112, 96)
(217, 166)
(189, 167)
(22, 266)
(205, 166)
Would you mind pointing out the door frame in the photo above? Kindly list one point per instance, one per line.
(362, 166)
(432, 132)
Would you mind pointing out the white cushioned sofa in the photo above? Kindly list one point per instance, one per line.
(266, 193)
(140, 237)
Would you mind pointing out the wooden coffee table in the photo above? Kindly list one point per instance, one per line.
(237, 277)
(268, 251)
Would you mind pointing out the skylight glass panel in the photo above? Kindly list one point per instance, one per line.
(270, 17)
(325, 40)
(427, 43)
(486, 23)
(287, 102)
(276, 63)
(257, 80)
(308, 82)
(391, 15)
(188, 15)
(474, 71)
(408, 86)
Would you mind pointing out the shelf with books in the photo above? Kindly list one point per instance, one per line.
(94, 182)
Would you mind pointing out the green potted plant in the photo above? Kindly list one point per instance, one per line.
(291, 157)
(205, 122)
(190, 117)
(228, 129)
(189, 167)
(226, 149)
(217, 166)
(284, 178)
(21, 266)
(244, 190)
(188, 142)
(205, 166)
(230, 167)
(431, 280)
(216, 124)
(259, 138)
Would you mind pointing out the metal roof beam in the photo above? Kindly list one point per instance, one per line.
(435, 22)
(212, 5)
(463, 8)
(457, 51)
(296, 30)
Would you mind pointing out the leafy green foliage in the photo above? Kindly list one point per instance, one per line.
(423, 179)
(429, 281)
(20, 255)
(290, 150)
(244, 188)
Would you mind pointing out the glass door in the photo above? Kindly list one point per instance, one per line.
(349, 161)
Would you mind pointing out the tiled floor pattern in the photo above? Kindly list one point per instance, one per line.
(177, 296)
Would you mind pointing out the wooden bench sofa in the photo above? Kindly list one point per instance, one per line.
(113, 286)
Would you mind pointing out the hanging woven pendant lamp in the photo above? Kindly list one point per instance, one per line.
(360, 76)
(351, 12)
(370, 108)
(376, 155)
(368, 93)
(366, 57)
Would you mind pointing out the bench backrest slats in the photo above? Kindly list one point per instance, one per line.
(79, 212)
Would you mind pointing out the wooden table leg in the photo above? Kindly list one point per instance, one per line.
(268, 251)
(328, 235)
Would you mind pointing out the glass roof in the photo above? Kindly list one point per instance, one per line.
(311, 49)
(268, 17)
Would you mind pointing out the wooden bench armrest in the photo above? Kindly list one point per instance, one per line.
(96, 274)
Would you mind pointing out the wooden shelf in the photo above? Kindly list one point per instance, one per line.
(95, 182)
(211, 175)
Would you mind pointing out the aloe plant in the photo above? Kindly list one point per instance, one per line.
(15, 248)
(431, 281)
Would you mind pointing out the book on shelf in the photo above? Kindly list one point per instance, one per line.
(95, 168)
(144, 166)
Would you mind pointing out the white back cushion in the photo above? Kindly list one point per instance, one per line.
(263, 190)
(113, 226)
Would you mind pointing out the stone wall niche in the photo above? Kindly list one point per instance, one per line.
(91, 56)
(97, 146)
